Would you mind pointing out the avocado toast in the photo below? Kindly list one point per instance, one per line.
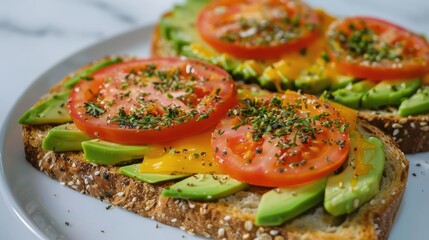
(231, 216)
(394, 101)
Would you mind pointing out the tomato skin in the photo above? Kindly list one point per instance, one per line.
(210, 27)
(265, 163)
(416, 51)
(107, 82)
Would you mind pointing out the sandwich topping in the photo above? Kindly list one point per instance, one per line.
(151, 101)
(281, 140)
(258, 29)
(371, 48)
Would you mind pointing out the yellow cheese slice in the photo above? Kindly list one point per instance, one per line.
(193, 154)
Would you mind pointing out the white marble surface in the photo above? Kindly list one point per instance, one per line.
(34, 35)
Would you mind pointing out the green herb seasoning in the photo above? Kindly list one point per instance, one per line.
(361, 42)
(93, 109)
(269, 29)
(155, 99)
(277, 120)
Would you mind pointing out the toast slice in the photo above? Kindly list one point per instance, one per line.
(228, 218)
(231, 217)
(411, 133)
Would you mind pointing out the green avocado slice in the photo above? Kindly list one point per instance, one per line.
(133, 172)
(416, 104)
(204, 187)
(352, 94)
(179, 27)
(64, 138)
(282, 204)
(107, 153)
(346, 192)
(87, 72)
(341, 81)
(51, 110)
(391, 92)
(312, 80)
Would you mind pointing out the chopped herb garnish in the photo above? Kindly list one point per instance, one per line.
(325, 56)
(93, 109)
(363, 43)
(268, 30)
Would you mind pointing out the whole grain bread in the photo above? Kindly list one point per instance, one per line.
(410, 133)
(231, 217)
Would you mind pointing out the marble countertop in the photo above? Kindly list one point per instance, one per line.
(34, 35)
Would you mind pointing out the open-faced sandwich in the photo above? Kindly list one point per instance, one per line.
(177, 140)
(365, 63)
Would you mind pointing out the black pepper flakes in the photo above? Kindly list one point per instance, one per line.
(126, 181)
(224, 153)
(106, 175)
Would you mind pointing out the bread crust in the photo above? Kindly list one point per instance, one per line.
(413, 135)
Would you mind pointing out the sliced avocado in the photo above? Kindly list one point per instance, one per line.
(312, 80)
(204, 187)
(179, 26)
(416, 104)
(270, 77)
(282, 204)
(346, 191)
(246, 70)
(64, 138)
(352, 94)
(51, 110)
(133, 172)
(86, 73)
(341, 81)
(198, 51)
(391, 92)
(107, 153)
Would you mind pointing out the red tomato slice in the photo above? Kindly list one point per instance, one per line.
(374, 49)
(258, 29)
(152, 101)
(285, 140)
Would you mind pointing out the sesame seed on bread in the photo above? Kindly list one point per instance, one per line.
(410, 133)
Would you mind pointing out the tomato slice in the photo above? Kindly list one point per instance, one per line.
(152, 101)
(375, 49)
(258, 29)
(284, 140)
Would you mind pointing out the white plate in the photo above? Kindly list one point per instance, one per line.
(45, 206)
